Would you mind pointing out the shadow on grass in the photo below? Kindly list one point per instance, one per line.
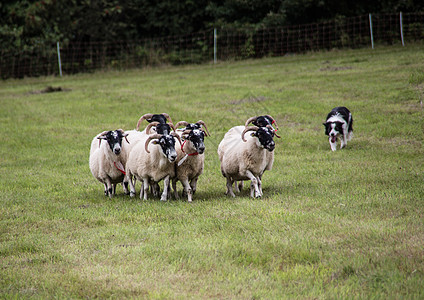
(96, 196)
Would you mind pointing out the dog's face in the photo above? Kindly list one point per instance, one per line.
(333, 130)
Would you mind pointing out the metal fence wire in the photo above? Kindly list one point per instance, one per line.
(201, 47)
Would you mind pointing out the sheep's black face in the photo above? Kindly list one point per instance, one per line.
(164, 129)
(265, 136)
(262, 121)
(197, 138)
(114, 139)
(167, 144)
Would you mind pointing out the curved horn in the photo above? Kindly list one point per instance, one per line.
(250, 120)
(204, 131)
(167, 116)
(102, 134)
(100, 137)
(273, 121)
(176, 136)
(204, 125)
(124, 134)
(273, 130)
(152, 137)
(187, 131)
(144, 117)
(150, 126)
(172, 126)
(250, 128)
(184, 123)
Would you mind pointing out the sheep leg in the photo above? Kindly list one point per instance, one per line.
(114, 188)
(156, 189)
(254, 184)
(240, 185)
(145, 188)
(193, 184)
(230, 187)
(125, 186)
(236, 187)
(132, 185)
(106, 193)
(174, 187)
(187, 189)
(260, 185)
(109, 188)
(165, 189)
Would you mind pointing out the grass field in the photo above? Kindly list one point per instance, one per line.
(344, 224)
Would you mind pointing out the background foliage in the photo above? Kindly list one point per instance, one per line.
(28, 23)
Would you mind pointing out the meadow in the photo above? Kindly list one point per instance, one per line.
(331, 225)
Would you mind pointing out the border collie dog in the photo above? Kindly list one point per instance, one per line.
(339, 125)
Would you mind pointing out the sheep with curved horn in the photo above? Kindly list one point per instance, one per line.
(190, 158)
(246, 156)
(107, 160)
(154, 165)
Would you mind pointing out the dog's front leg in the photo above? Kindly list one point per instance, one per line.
(333, 145)
(343, 141)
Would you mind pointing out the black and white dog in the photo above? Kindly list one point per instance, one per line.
(339, 125)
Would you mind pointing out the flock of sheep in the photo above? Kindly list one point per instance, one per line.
(152, 155)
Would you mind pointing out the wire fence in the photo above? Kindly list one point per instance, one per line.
(201, 47)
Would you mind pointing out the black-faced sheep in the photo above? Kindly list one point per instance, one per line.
(108, 156)
(154, 165)
(191, 158)
(246, 157)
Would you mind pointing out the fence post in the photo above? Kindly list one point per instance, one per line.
(401, 29)
(214, 45)
(372, 37)
(58, 59)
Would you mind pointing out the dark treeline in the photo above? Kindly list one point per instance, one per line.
(112, 34)
(28, 23)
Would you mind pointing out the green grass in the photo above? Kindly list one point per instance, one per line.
(347, 224)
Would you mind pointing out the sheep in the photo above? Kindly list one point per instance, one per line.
(152, 166)
(160, 128)
(158, 122)
(191, 158)
(246, 158)
(259, 121)
(107, 160)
